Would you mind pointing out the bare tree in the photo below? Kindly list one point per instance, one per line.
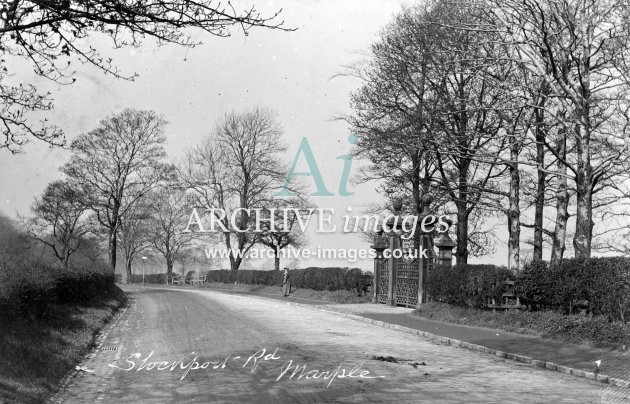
(167, 221)
(390, 110)
(193, 258)
(238, 167)
(92, 249)
(284, 233)
(133, 232)
(51, 35)
(581, 49)
(57, 220)
(426, 117)
(15, 244)
(465, 116)
(117, 164)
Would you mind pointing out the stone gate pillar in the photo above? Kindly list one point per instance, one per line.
(393, 226)
(445, 246)
(391, 293)
(380, 244)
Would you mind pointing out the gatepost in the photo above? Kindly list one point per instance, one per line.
(393, 226)
(380, 244)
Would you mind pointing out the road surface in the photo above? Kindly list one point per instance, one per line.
(207, 346)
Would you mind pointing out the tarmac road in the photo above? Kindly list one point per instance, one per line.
(207, 346)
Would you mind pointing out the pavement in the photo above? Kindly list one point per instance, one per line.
(206, 346)
(613, 363)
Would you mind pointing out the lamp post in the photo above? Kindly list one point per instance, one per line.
(144, 264)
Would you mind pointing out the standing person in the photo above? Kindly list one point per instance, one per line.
(286, 282)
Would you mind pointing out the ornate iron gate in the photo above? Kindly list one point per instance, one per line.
(406, 283)
(406, 272)
(398, 277)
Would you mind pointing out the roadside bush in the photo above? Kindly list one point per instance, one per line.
(535, 285)
(28, 297)
(597, 286)
(81, 286)
(29, 288)
(320, 278)
(467, 285)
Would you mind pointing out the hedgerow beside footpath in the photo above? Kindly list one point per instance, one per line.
(320, 279)
(579, 300)
(48, 320)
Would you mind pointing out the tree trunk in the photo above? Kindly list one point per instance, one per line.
(169, 267)
(583, 220)
(276, 258)
(539, 205)
(65, 260)
(461, 255)
(415, 193)
(113, 246)
(417, 210)
(584, 195)
(241, 238)
(562, 203)
(237, 263)
(228, 245)
(128, 267)
(514, 211)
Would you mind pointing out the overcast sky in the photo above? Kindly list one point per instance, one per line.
(289, 72)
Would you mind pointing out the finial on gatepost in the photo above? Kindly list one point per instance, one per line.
(379, 241)
(426, 200)
(397, 204)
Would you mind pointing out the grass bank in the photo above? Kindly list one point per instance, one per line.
(594, 331)
(337, 296)
(36, 353)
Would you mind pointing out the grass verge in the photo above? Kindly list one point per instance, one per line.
(337, 296)
(35, 354)
(594, 331)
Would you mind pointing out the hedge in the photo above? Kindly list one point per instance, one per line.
(467, 285)
(330, 278)
(28, 289)
(598, 286)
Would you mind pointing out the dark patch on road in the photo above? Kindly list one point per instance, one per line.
(391, 359)
(385, 359)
